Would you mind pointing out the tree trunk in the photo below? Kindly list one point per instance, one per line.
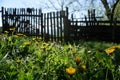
(113, 10)
(109, 11)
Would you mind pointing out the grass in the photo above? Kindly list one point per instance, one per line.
(30, 58)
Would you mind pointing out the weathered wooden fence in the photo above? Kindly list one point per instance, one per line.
(32, 22)
(28, 21)
(56, 26)
(53, 24)
(92, 29)
(96, 32)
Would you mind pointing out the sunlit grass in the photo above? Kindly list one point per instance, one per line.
(31, 58)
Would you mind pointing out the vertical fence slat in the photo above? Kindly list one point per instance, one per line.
(42, 25)
(54, 26)
(31, 20)
(61, 15)
(24, 22)
(36, 29)
(57, 26)
(2, 9)
(48, 23)
(45, 23)
(51, 27)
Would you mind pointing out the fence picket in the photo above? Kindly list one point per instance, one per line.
(54, 25)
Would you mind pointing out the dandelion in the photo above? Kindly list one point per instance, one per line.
(27, 43)
(83, 67)
(36, 43)
(39, 38)
(109, 50)
(12, 29)
(116, 47)
(18, 61)
(70, 70)
(77, 60)
(20, 34)
(15, 36)
(44, 44)
(6, 32)
(43, 47)
(33, 39)
(70, 47)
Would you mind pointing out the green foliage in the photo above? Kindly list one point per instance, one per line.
(24, 58)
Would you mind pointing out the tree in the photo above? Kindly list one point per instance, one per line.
(80, 5)
(110, 6)
(117, 11)
(74, 5)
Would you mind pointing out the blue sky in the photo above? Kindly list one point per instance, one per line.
(47, 7)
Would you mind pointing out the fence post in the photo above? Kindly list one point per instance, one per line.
(66, 27)
(2, 18)
(113, 31)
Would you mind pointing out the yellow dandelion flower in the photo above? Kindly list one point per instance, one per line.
(70, 70)
(44, 44)
(83, 67)
(6, 32)
(27, 43)
(40, 38)
(43, 47)
(24, 35)
(15, 36)
(110, 50)
(19, 34)
(116, 47)
(77, 60)
(36, 43)
(18, 61)
(70, 47)
(33, 39)
(12, 29)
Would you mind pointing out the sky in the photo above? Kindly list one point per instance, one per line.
(46, 6)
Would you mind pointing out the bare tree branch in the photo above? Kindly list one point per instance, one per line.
(53, 5)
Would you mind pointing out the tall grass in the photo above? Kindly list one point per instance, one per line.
(25, 58)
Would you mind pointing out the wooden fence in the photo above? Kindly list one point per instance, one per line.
(91, 28)
(28, 21)
(53, 24)
(56, 26)
(32, 22)
(95, 30)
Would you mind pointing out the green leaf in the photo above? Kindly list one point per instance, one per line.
(29, 76)
(21, 75)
